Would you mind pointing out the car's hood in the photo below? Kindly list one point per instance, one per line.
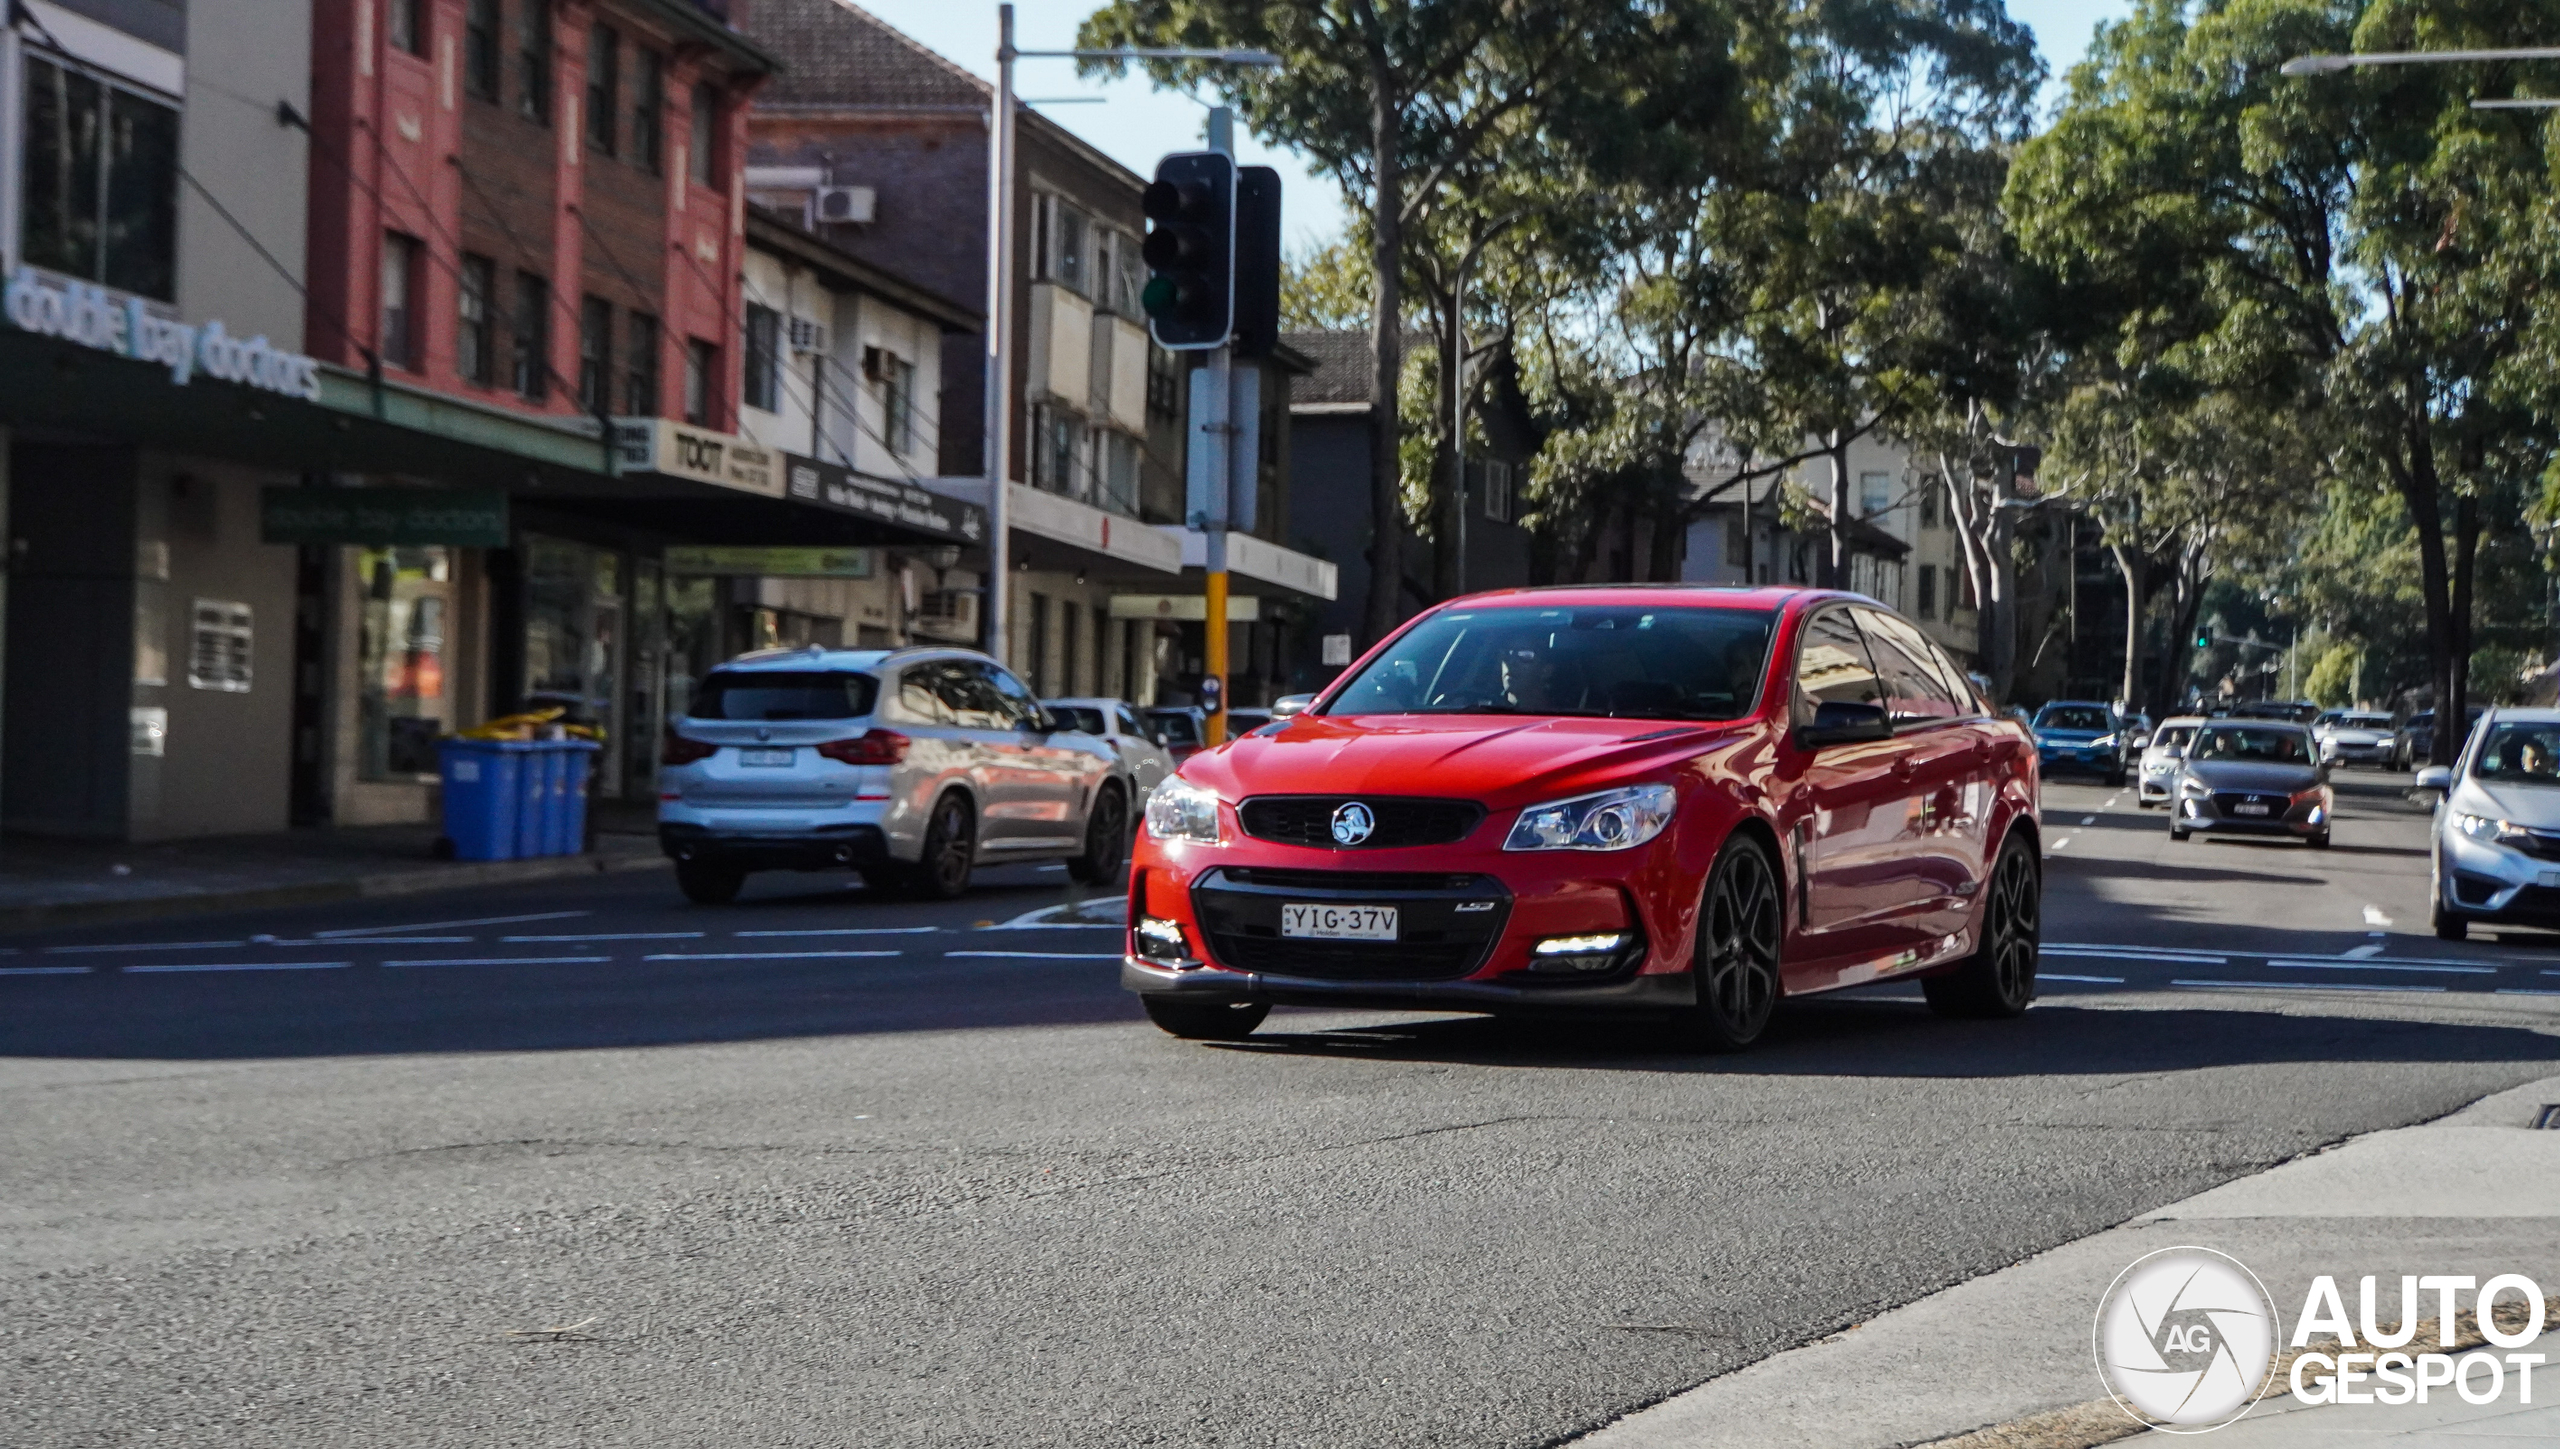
(1477, 757)
(2252, 775)
(2535, 807)
(2070, 737)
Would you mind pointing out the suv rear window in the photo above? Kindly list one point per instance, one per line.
(1081, 717)
(780, 694)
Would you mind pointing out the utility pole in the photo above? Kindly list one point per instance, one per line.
(1220, 430)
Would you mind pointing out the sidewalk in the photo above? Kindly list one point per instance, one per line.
(2003, 1361)
(48, 883)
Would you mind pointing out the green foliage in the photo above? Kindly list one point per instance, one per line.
(1326, 288)
(2332, 681)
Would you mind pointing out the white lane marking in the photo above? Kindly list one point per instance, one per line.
(852, 931)
(2058, 844)
(46, 970)
(2165, 958)
(2097, 948)
(1056, 926)
(613, 936)
(2323, 963)
(2358, 953)
(2092, 980)
(1043, 955)
(146, 946)
(244, 966)
(442, 925)
(2088, 819)
(1053, 867)
(762, 955)
(504, 961)
(2373, 916)
(367, 941)
(2305, 986)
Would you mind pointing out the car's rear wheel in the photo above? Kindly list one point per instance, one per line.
(1740, 925)
(1106, 840)
(950, 851)
(708, 883)
(1206, 1020)
(1999, 978)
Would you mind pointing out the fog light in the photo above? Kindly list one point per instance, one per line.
(1160, 939)
(2318, 814)
(1599, 951)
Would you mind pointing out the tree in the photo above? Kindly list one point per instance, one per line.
(1325, 288)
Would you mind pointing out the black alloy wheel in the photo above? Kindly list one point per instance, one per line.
(1205, 1020)
(1106, 839)
(950, 851)
(708, 884)
(1999, 978)
(1740, 924)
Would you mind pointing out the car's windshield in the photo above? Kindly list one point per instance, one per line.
(2173, 737)
(1082, 717)
(2074, 717)
(783, 694)
(2259, 744)
(1633, 662)
(2362, 722)
(2520, 753)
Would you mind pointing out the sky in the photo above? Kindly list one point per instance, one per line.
(1134, 123)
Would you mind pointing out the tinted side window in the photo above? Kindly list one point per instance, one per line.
(1911, 682)
(1020, 707)
(1128, 724)
(916, 696)
(967, 694)
(1832, 666)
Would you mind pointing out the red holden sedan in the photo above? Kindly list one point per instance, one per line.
(1654, 798)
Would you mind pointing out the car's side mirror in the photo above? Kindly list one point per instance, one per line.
(2435, 777)
(1290, 704)
(1043, 722)
(1841, 722)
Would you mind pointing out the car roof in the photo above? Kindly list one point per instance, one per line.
(1767, 596)
(2074, 704)
(2526, 714)
(811, 656)
(2182, 719)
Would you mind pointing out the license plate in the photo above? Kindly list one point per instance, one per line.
(1339, 923)
(766, 759)
(2252, 808)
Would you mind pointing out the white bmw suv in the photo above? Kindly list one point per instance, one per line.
(913, 766)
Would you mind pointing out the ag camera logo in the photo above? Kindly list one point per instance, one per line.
(2185, 1339)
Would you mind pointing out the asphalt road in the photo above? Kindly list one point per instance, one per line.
(818, 1169)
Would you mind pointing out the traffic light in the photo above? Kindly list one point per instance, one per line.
(1191, 250)
(2204, 637)
(1257, 261)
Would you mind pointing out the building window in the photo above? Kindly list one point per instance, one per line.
(1057, 452)
(640, 367)
(475, 344)
(1062, 239)
(1929, 503)
(1126, 272)
(701, 381)
(221, 647)
(706, 135)
(1875, 494)
(533, 337)
(896, 378)
(604, 88)
(1497, 490)
(402, 702)
(1164, 383)
(595, 355)
(406, 22)
(648, 108)
(100, 182)
(1120, 457)
(1927, 601)
(533, 60)
(401, 293)
(764, 358)
(480, 51)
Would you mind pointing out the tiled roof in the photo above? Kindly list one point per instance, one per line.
(840, 54)
(1343, 367)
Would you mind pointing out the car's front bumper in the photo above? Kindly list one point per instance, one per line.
(2490, 883)
(2343, 753)
(1205, 982)
(2300, 821)
(2079, 757)
(825, 847)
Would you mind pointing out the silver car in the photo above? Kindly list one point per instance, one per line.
(2155, 779)
(2497, 829)
(913, 766)
(2355, 737)
(2253, 777)
(1115, 723)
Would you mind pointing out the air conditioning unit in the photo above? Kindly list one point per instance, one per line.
(808, 335)
(845, 204)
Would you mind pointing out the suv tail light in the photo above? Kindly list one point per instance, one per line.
(682, 751)
(874, 747)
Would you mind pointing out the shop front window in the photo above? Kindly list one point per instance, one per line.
(404, 702)
(573, 641)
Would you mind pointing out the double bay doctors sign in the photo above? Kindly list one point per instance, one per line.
(51, 305)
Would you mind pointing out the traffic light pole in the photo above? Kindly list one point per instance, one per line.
(1220, 427)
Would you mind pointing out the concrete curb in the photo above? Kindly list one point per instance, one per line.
(416, 881)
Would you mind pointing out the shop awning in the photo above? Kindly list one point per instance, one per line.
(1256, 566)
(1058, 533)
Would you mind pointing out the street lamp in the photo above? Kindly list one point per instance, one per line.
(2332, 64)
(1000, 286)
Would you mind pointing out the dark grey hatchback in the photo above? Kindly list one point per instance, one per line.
(2253, 777)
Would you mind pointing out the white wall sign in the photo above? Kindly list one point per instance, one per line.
(1337, 649)
(218, 649)
(663, 445)
(79, 312)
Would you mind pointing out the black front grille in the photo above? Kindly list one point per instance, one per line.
(2541, 845)
(1347, 960)
(1349, 880)
(1401, 821)
(1446, 924)
(2537, 900)
(2228, 803)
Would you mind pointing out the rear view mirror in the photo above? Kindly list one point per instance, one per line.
(1290, 704)
(1841, 722)
(2435, 777)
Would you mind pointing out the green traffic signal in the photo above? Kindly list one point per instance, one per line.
(2204, 638)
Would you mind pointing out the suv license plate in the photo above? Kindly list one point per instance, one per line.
(2253, 808)
(766, 759)
(1339, 923)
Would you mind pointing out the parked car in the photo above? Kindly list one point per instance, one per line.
(2155, 781)
(914, 766)
(2354, 737)
(2496, 854)
(2416, 738)
(1115, 722)
(1181, 728)
(1611, 799)
(2253, 777)
(2074, 734)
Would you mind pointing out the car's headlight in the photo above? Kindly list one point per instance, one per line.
(1611, 820)
(1180, 810)
(2190, 785)
(2103, 742)
(2489, 829)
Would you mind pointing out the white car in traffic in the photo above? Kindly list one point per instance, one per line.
(2156, 778)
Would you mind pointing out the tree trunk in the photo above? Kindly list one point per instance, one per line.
(2415, 476)
(2186, 601)
(1670, 535)
(2466, 542)
(1451, 495)
(1386, 349)
(2136, 568)
(1835, 560)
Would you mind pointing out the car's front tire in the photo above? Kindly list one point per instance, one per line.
(1106, 839)
(708, 882)
(1999, 978)
(1205, 1020)
(1741, 922)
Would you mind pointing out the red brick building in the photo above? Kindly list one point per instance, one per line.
(536, 204)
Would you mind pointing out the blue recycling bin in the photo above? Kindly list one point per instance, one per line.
(484, 796)
(566, 815)
(533, 803)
